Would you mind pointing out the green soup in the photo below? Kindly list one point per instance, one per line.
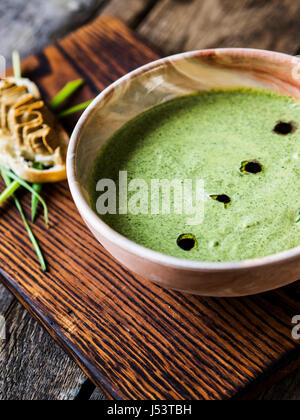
(244, 144)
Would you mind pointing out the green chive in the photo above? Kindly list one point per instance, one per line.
(65, 93)
(25, 184)
(34, 200)
(298, 220)
(38, 189)
(16, 64)
(32, 238)
(9, 191)
(75, 109)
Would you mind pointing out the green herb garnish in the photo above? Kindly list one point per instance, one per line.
(298, 220)
(9, 191)
(65, 93)
(32, 238)
(28, 187)
(14, 182)
(75, 109)
(38, 189)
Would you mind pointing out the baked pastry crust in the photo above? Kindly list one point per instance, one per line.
(30, 133)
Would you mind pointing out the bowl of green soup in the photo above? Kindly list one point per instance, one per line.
(187, 171)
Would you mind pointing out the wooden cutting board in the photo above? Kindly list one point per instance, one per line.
(134, 339)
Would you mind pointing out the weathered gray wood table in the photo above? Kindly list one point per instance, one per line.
(32, 366)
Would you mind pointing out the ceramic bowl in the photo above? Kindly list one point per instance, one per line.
(149, 86)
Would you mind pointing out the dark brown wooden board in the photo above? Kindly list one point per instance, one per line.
(134, 339)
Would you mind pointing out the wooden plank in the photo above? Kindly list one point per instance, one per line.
(131, 12)
(286, 390)
(24, 355)
(182, 26)
(32, 366)
(176, 26)
(134, 339)
(6, 299)
(97, 396)
(57, 18)
(28, 26)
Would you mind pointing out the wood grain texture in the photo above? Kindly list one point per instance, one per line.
(6, 299)
(30, 25)
(97, 396)
(286, 390)
(132, 338)
(32, 366)
(180, 25)
(132, 11)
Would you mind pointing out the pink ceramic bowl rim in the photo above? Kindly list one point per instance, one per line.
(98, 225)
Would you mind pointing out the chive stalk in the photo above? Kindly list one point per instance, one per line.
(28, 187)
(38, 189)
(32, 238)
(9, 191)
(74, 109)
(14, 182)
(34, 200)
(16, 64)
(65, 93)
